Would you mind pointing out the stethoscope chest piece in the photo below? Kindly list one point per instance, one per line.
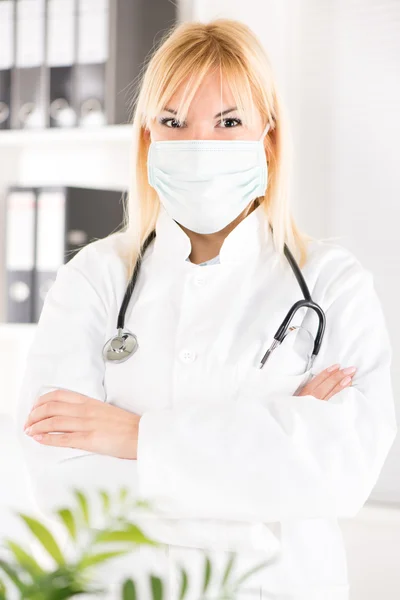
(120, 347)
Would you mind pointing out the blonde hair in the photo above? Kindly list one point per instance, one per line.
(197, 48)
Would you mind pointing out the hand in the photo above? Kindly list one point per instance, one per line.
(328, 383)
(84, 423)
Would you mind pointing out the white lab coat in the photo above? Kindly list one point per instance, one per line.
(232, 457)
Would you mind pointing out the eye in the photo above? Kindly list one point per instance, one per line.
(229, 123)
(170, 122)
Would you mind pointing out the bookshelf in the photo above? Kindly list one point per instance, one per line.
(95, 157)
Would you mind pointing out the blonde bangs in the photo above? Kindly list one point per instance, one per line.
(168, 70)
(238, 82)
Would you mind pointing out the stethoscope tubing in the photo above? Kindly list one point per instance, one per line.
(116, 348)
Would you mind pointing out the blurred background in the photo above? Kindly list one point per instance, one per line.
(68, 70)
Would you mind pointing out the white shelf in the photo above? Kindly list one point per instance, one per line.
(22, 137)
(9, 330)
(97, 157)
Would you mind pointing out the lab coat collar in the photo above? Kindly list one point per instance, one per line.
(246, 241)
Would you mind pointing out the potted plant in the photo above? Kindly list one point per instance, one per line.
(67, 575)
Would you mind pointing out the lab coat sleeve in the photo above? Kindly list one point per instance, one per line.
(284, 457)
(66, 353)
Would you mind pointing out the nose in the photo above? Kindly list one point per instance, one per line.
(200, 131)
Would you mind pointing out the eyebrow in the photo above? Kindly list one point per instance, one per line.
(219, 114)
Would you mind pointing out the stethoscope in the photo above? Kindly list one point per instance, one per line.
(121, 346)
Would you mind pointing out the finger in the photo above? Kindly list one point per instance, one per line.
(81, 440)
(323, 376)
(329, 384)
(53, 408)
(61, 395)
(59, 424)
(344, 383)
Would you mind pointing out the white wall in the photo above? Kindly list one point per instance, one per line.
(338, 66)
(366, 152)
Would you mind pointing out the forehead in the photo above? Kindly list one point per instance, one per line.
(212, 95)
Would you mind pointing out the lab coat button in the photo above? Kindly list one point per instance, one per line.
(187, 356)
(200, 280)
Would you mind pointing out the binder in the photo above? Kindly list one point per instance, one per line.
(114, 38)
(68, 218)
(6, 60)
(20, 253)
(50, 243)
(60, 58)
(28, 108)
(92, 55)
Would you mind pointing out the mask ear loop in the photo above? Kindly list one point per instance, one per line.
(264, 133)
(261, 139)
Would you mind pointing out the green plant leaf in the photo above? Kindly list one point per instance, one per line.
(253, 570)
(129, 590)
(62, 583)
(142, 503)
(131, 533)
(83, 505)
(106, 501)
(123, 494)
(12, 575)
(94, 559)
(156, 587)
(26, 561)
(45, 538)
(66, 594)
(207, 573)
(184, 584)
(67, 518)
(228, 569)
(3, 590)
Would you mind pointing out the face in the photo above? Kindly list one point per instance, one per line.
(204, 120)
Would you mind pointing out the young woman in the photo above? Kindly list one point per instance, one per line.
(260, 460)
